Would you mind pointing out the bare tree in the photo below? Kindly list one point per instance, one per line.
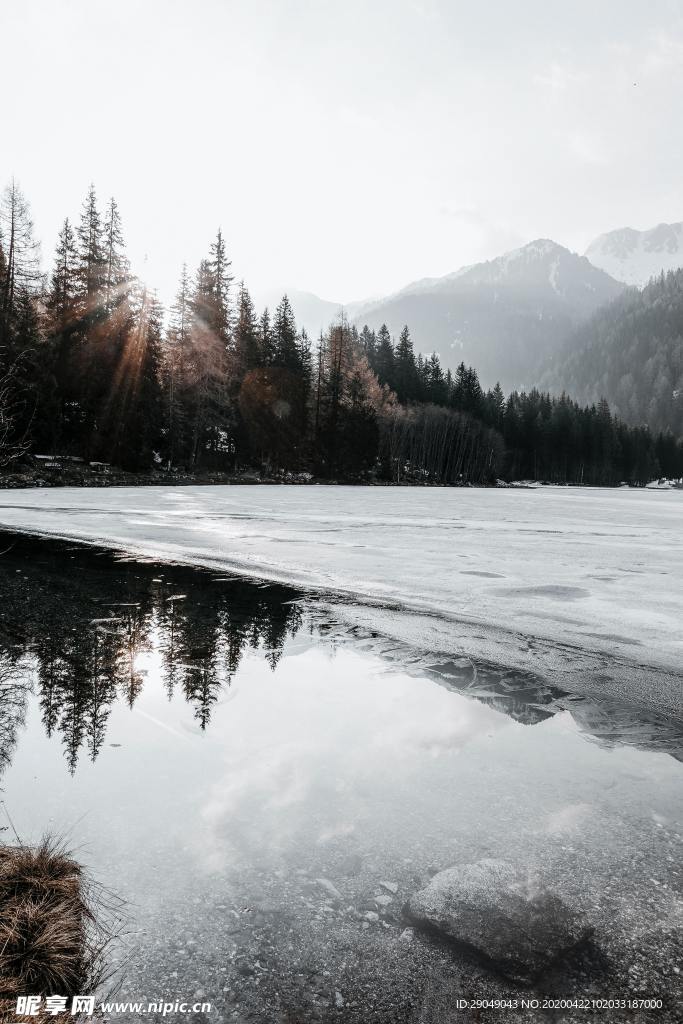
(21, 251)
(11, 448)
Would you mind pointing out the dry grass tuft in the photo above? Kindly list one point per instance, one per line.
(51, 941)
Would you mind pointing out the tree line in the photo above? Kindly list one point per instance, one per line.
(92, 366)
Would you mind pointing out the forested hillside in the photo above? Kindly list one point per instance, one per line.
(92, 367)
(506, 315)
(630, 352)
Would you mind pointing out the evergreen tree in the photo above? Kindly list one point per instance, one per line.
(349, 401)
(494, 407)
(62, 297)
(305, 359)
(218, 266)
(134, 420)
(92, 259)
(176, 365)
(181, 320)
(116, 268)
(247, 347)
(467, 395)
(266, 340)
(436, 382)
(212, 415)
(285, 346)
(406, 378)
(368, 344)
(63, 312)
(384, 364)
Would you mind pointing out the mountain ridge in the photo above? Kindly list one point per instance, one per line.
(634, 256)
(504, 315)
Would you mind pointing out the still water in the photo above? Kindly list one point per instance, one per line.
(264, 788)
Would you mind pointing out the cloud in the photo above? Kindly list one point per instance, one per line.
(323, 748)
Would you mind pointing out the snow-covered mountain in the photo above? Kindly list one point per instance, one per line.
(504, 316)
(636, 256)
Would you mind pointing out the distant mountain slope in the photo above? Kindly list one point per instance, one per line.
(636, 256)
(503, 316)
(630, 352)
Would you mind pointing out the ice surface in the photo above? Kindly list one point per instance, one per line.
(563, 580)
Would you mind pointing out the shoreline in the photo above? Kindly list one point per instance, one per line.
(15, 482)
(555, 617)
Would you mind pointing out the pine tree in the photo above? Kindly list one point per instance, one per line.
(467, 395)
(218, 266)
(285, 346)
(348, 402)
(406, 381)
(384, 365)
(495, 407)
(62, 297)
(305, 358)
(247, 350)
(212, 415)
(368, 343)
(437, 385)
(92, 270)
(134, 413)
(62, 326)
(116, 267)
(180, 326)
(176, 363)
(266, 340)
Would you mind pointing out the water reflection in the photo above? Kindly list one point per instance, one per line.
(286, 782)
(84, 620)
(81, 625)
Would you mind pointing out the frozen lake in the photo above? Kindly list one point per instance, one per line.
(581, 585)
(265, 784)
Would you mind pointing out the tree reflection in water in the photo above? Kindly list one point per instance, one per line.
(77, 622)
(82, 618)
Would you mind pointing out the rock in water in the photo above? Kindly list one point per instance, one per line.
(492, 910)
(329, 888)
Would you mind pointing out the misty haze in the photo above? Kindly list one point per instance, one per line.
(341, 512)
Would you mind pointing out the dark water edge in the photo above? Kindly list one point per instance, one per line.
(206, 621)
(77, 623)
(70, 477)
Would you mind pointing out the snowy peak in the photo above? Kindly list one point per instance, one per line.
(542, 269)
(541, 263)
(636, 256)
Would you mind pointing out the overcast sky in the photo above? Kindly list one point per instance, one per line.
(345, 147)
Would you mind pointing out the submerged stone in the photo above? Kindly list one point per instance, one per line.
(493, 910)
(329, 888)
